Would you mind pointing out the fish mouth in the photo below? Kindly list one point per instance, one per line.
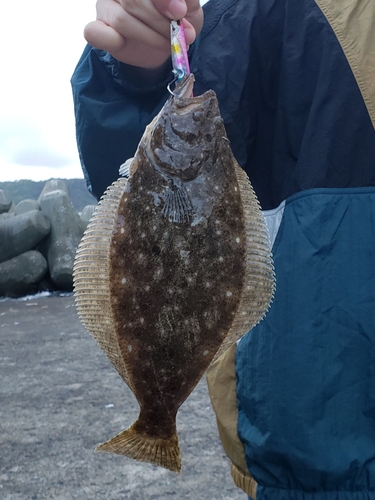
(185, 87)
(183, 101)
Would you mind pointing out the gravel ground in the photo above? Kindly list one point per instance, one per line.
(60, 397)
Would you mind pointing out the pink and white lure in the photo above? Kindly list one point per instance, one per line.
(180, 61)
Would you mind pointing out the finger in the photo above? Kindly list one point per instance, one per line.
(146, 26)
(144, 11)
(103, 37)
(190, 32)
(195, 16)
(175, 9)
(178, 9)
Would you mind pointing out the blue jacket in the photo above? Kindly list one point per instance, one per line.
(295, 79)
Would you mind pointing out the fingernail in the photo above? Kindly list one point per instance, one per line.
(177, 9)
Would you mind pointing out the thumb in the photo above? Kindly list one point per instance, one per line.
(177, 9)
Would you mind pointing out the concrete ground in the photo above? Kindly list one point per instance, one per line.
(60, 397)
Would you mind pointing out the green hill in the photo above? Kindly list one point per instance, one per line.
(25, 189)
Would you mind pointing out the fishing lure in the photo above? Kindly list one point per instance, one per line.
(180, 61)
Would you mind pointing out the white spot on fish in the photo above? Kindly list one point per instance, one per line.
(130, 348)
(218, 232)
(235, 188)
(237, 240)
(221, 259)
(205, 352)
(208, 284)
(143, 235)
(123, 281)
(142, 320)
(229, 294)
(147, 288)
(140, 256)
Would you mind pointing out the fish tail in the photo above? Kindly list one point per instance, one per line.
(136, 444)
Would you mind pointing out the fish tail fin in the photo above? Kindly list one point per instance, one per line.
(144, 448)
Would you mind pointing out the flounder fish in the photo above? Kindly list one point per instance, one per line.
(175, 266)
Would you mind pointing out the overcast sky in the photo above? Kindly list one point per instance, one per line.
(41, 42)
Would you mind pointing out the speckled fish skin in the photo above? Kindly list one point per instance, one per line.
(179, 268)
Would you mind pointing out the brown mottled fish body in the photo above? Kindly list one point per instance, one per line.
(174, 267)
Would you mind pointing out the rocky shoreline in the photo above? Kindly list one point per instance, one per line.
(38, 241)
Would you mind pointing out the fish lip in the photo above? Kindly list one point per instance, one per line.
(184, 89)
(183, 93)
(185, 105)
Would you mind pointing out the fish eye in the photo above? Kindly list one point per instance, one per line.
(156, 250)
(197, 116)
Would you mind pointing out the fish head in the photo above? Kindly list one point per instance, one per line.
(183, 136)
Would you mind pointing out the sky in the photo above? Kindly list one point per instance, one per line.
(42, 42)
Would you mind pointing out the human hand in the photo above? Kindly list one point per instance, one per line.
(137, 32)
